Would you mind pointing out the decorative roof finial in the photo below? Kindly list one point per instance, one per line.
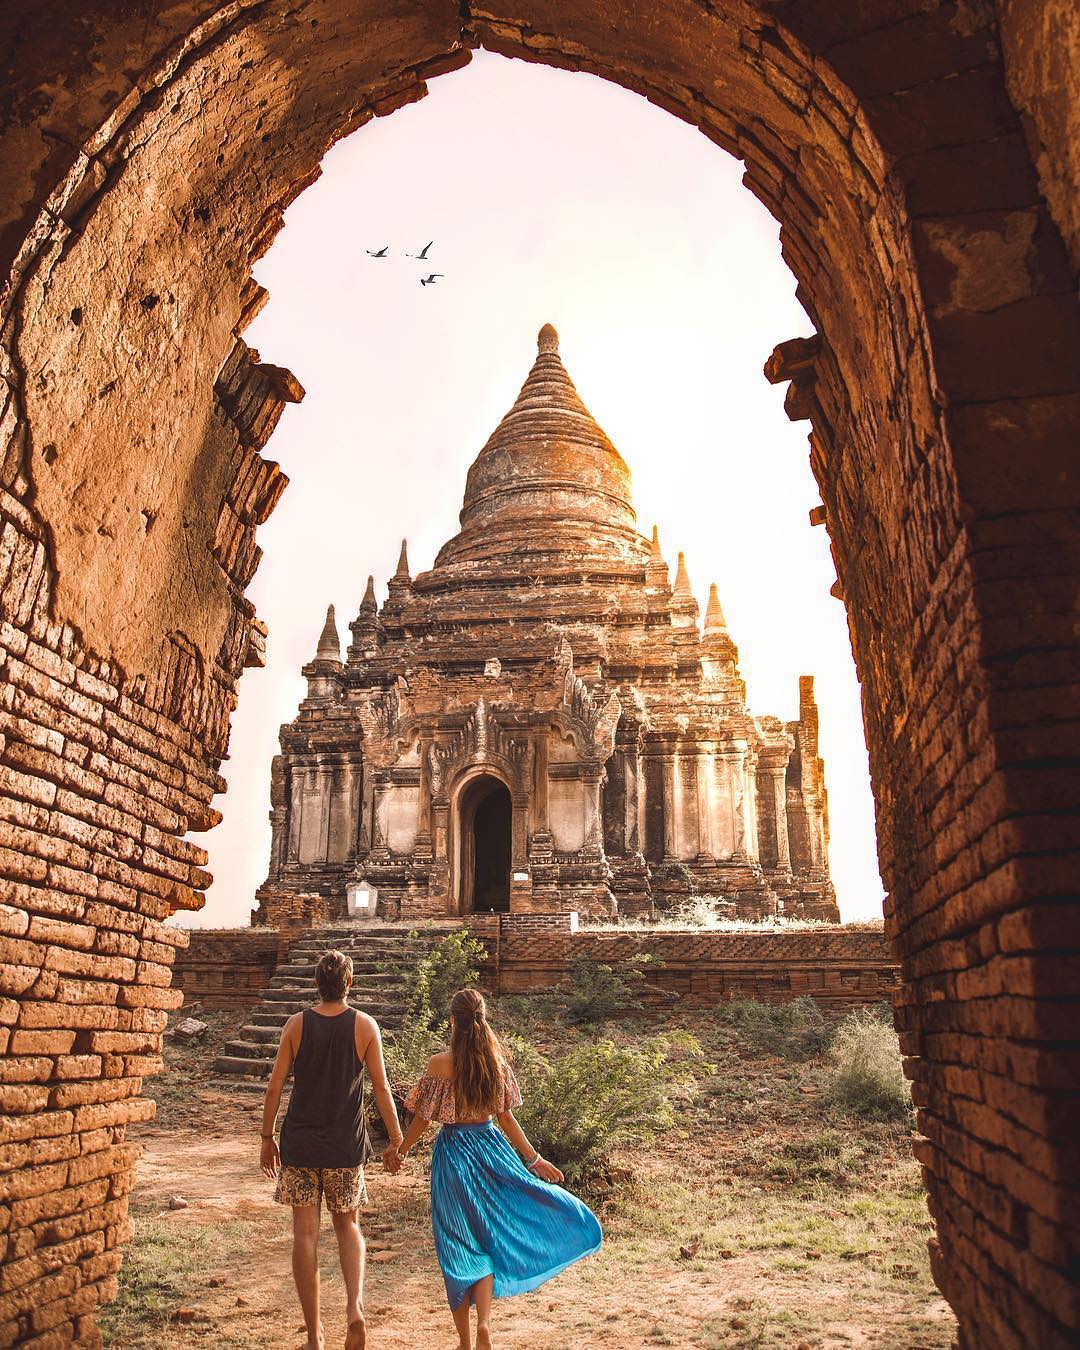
(654, 547)
(402, 573)
(369, 605)
(714, 614)
(547, 339)
(682, 580)
(329, 648)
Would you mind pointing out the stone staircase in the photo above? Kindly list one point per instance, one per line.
(381, 955)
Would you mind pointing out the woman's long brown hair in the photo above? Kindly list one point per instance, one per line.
(476, 1055)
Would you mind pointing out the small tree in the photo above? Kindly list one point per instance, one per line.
(600, 1096)
(599, 991)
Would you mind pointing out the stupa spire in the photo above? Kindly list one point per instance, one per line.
(682, 580)
(369, 605)
(402, 573)
(329, 648)
(547, 470)
(714, 614)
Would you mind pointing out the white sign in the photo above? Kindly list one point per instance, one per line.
(361, 898)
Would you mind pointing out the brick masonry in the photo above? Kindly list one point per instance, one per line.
(841, 969)
(921, 159)
(230, 967)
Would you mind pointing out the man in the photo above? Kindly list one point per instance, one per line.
(324, 1137)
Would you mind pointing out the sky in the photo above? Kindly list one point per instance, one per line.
(550, 197)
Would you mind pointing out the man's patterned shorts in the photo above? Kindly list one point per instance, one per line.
(342, 1188)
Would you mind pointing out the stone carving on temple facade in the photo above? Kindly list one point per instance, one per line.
(543, 721)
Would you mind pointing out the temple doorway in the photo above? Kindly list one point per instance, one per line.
(484, 820)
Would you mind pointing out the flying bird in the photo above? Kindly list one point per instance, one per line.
(382, 253)
(430, 280)
(422, 255)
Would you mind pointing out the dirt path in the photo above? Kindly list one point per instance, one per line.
(233, 1245)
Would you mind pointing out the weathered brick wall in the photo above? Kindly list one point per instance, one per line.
(147, 164)
(841, 969)
(228, 967)
(95, 790)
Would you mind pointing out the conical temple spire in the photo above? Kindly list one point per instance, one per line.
(329, 648)
(654, 548)
(682, 580)
(402, 573)
(548, 460)
(714, 614)
(369, 605)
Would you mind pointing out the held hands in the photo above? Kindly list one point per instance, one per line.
(269, 1158)
(392, 1160)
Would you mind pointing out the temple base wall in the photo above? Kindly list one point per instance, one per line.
(839, 968)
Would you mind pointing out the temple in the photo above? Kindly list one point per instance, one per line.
(542, 722)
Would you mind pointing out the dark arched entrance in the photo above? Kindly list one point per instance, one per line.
(484, 823)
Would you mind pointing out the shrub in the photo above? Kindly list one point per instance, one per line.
(450, 965)
(453, 964)
(866, 1069)
(795, 1030)
(600, 1096)
(598, 991)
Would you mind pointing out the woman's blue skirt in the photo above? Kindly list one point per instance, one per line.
(491, 1216)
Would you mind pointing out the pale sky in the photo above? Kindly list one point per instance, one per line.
(551, 197)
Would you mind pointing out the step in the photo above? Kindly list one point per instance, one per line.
(242, 1066)
(250, 1049)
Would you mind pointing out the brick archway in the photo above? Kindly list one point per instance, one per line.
(149, 163)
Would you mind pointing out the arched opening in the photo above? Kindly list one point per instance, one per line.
(942, 389)
(483, 833)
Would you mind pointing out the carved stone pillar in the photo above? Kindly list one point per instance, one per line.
(519, 831)
(540, 784)
(723, 822)
(423, 845)
(772, 789)
(631, 809)
(671, 789)
(704, 772)
(735, 760)
(440, 821)
(748, 767)
(592, 781)
(379, 845)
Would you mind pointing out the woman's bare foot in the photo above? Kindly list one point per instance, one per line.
(356, 1339)
(483, 1338)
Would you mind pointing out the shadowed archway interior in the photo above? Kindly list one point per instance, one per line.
(920, 159)
(484, 834)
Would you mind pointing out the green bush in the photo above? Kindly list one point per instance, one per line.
(866, 1075)
(452, 964)
(600, 1096)
(598, 991)
(795, 1030)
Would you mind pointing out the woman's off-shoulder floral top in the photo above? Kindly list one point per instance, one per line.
(433, 1098)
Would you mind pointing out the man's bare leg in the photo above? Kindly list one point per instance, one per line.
(305, 1268)
(351, 1252)
(461, 1321)
(482, 1293)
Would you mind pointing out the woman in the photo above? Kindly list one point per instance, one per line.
(501, 1226)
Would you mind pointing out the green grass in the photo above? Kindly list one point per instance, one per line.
(158, 1275)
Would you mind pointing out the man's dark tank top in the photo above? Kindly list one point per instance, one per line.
(326, 1123)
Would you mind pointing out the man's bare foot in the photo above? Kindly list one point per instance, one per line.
(356, 1339)
(318, 1344)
